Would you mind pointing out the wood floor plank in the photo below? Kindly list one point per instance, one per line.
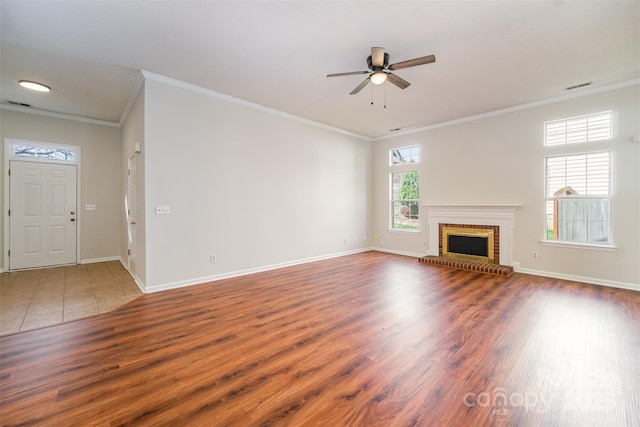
(370, 339)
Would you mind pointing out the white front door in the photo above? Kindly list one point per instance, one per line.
(42, 203)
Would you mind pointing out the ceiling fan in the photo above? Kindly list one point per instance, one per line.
(379, 69)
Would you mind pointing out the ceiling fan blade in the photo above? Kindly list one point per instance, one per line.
(398, 81)
(350, 73)
(360, 86)
(377, 57)
(413, 62)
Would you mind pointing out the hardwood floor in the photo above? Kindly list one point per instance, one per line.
(371, 339)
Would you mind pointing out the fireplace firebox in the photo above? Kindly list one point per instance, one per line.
(469, 243)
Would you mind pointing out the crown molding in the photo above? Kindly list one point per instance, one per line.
(221, 96)
(211, 93)
(132, 98)
(31, 110)
(581, 94)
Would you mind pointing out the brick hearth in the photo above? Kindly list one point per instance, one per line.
(481, 267)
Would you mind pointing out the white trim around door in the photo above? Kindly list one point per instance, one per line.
(35, 152)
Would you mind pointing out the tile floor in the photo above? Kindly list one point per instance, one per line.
(34, 299)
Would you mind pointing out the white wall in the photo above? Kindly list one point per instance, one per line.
(100, 180)
(260, 190)
(500, 160)
(253, 188)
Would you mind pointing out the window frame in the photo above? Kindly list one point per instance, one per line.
(402, 168)
(412, 162)
(609, 244)
(393, 201)
(12, 144)
(587, 129)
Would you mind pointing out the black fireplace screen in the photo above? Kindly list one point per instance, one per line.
(468, 245)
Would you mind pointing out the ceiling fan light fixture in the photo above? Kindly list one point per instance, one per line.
(380, 69)
(378, 77)
(35, 86)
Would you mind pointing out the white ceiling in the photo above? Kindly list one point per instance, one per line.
(490, 54)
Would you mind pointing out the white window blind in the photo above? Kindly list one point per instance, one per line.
(585, 174)
(592, 127)
(578, 192)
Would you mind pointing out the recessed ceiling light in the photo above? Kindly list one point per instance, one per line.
(35, 86)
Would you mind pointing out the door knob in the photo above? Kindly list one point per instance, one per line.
(72, 219)
(72, 213)
(133, 223)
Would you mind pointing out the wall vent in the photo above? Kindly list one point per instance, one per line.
(22, 104)
(578, 86)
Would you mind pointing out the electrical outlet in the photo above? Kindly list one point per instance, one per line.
(89, 207)
(534, 254)
(163, 210)
(381, 242)
(212, 259)
(364, 238)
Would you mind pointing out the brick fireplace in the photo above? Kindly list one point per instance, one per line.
(499, 219)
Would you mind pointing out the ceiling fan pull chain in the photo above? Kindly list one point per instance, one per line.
(371, 94)
(385, 94)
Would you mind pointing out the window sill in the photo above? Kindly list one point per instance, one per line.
(579, 245)
(404, 230)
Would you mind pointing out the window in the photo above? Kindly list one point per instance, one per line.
(405, 191)
(400, 156)
(592, 127)
(578, 193)
(47, 153)
(43, 152)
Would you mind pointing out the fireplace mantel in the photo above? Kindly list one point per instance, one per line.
(502, 216)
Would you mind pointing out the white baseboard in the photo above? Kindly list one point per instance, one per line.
(105, 259)
(205, 279)
(393, 251)
(138, 283)
(90, 261)
(590, 280)
(180, 284)
(136, 280)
